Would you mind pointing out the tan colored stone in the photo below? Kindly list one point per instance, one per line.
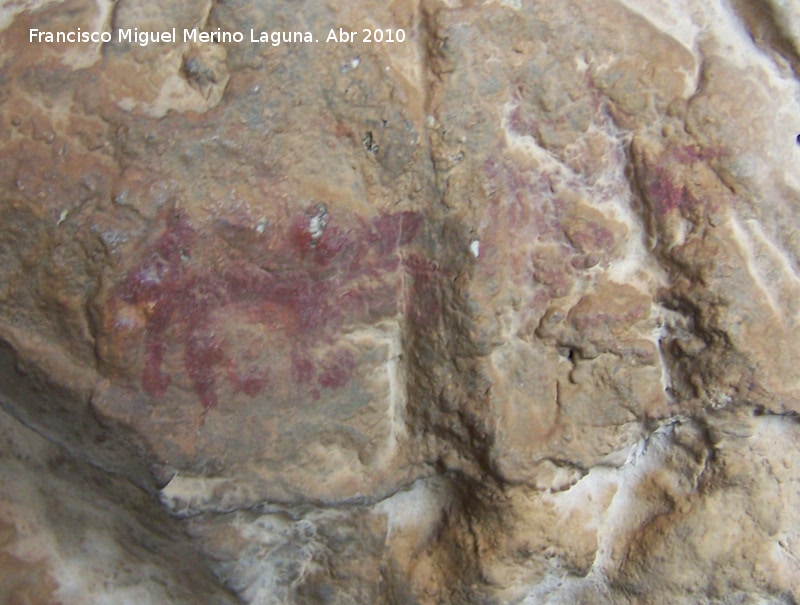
(504, 313)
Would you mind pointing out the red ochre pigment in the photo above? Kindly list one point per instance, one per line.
(309, 282)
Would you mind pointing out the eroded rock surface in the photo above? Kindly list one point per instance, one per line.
(506, 312)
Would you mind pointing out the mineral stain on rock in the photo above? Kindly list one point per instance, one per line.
(311, 279)
(560, 385)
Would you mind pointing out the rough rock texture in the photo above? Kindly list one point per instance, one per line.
(507, 312)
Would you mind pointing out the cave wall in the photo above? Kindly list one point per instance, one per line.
(503, 312)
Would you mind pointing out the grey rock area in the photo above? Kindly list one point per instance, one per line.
(504, 312)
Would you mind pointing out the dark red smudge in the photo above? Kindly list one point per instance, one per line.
(250, 383)
(337, 370)
(690, 154)
(668, 193)
(302, 368)
(323, 275)
(666, 190)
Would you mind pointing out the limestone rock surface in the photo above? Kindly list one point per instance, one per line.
(504, 311)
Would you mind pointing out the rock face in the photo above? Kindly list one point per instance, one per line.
(506, 311)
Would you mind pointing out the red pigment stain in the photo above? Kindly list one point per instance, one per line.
(182, 281)
(302, 368)
(667, 194)
(591, 236)
(337, 369)
(520, 125)
(251, 382)
(690, 154)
